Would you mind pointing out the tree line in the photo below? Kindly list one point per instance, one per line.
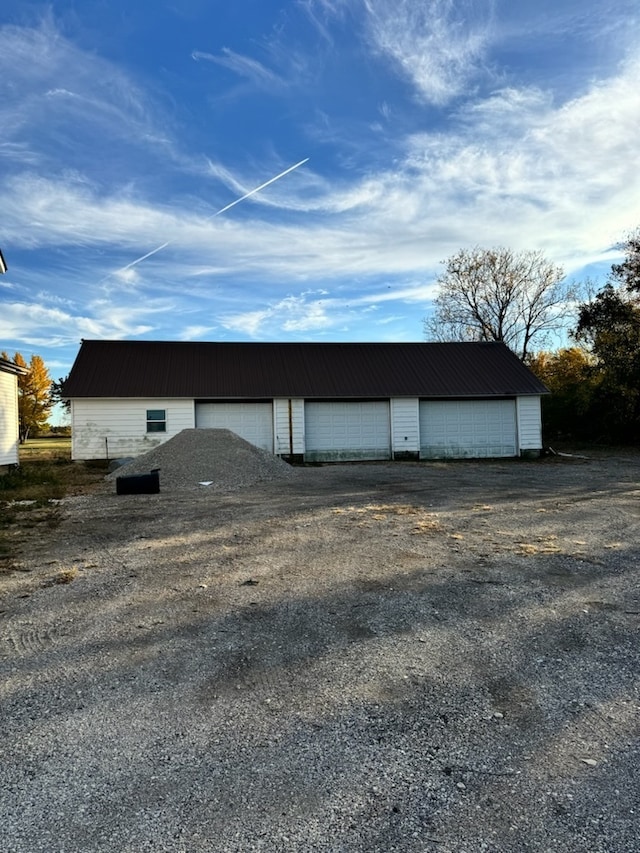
(525, 301)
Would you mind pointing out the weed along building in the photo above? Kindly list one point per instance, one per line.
(307, 401)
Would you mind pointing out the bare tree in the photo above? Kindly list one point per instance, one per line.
(519, 298)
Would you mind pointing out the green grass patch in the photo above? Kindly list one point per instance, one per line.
(54, 448)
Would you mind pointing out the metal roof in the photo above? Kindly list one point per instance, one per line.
(309, 370)
(12, 367)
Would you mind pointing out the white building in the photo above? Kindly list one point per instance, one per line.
(307, 401)
(9, 434)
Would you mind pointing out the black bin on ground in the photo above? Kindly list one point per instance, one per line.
(139, 484)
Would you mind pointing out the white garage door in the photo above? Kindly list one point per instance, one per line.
(251, 421)
(468, 428)
(335, 431)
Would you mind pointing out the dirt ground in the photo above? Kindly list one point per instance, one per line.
(384, 657)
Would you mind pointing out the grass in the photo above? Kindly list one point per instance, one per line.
(50, 447)
(29, 494)
(33, 481)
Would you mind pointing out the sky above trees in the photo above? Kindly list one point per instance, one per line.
(429, 127)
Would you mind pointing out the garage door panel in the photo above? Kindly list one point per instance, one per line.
(349, 431)
(251, 421)
(468, 428)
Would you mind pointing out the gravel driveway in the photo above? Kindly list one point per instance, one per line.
(386, 657)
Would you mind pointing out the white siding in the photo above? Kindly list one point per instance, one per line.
(289, 426)
(339, 430)
(251, 421)
(405, 427)
(529, 423)
(475, 429)
(123, 423)
(8, 418)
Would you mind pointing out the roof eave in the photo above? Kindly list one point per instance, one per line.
(11, 367)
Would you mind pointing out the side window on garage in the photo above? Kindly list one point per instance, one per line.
(156, 420)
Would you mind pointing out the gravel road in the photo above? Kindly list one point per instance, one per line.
(388, 657)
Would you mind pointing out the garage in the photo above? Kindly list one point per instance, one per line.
(251, 421)
(467, 428)
(308, 401)
(355, 430)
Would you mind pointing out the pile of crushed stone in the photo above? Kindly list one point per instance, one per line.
(215, 456)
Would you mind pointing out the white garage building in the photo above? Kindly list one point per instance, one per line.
(307, 401)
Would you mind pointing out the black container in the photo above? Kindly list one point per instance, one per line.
(139, 484)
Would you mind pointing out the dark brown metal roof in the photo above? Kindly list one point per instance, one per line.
(309, 370)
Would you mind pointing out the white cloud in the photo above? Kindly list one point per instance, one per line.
(59, 103)
(46, 81)
(316, 311)
(303, 317)
(39, 325)
(292, 314)
(195, 333)
(541, 168)
(419, 293)
(437, 46)
(322, 12)
(247, 322)
(243, 66)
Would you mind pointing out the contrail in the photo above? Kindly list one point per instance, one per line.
(213, 215)
(257, 189)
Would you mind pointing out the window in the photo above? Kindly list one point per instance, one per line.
(156, 420)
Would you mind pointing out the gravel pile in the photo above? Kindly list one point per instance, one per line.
(217, 456)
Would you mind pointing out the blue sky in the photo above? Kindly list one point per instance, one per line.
(429, 126)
